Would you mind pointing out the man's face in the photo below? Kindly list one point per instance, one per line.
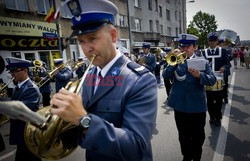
(212, 43)
(100, 43)
(19, 74)
(189, 49)
(145, 50)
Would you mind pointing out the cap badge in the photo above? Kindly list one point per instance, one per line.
(74, 7)
(184, 37)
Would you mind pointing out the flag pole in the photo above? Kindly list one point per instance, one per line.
(58, 31)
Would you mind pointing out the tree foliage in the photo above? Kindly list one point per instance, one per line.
(201, 25)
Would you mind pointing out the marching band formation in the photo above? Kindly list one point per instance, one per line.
(122, 115)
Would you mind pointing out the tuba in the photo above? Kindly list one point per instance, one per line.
(56, 138)
(173, 59)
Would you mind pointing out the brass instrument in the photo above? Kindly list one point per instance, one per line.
(37, 67)
(56, 138)
(78, 64)
(142, 61)
(3, 91)
(51, 74)
(173, 59)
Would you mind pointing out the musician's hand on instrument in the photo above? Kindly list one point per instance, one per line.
(68, 106)
(222, 69)
(194, 73)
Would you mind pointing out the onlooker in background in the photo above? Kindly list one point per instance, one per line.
(247, 56)
(241, 55)
(235, 57)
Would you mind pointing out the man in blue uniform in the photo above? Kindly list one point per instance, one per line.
(148, 58)
(80, 67)
(45, 89)
(167, 82)
(27, 92)
(188, 99)
(117, 116)
(219, 62)
(63, 76)
(224, 43)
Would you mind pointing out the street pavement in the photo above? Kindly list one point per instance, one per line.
(230, 142)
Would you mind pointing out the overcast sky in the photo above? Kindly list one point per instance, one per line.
(229, 14)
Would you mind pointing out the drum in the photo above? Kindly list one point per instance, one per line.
(218, 86)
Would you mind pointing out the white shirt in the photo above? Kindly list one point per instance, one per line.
(21, 83)
(105, 70)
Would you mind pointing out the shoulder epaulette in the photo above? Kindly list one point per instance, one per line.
(140, 70)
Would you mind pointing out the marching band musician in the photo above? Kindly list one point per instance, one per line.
(167, 82)
(63, 76)
(220, 63)
(150, 62)
(27, 92)
(116, 112)
(188, 99)
(224, 43)
(80, 68)
(45, 89)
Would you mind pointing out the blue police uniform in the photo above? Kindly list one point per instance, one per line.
(63, 76)
(28, 93)
(80, 70)
(150, 59)
(217, 58)
(188, 99)
(123, 108)
(45, 89)
(167, 82)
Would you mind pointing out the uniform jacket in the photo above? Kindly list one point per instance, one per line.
(123, 112)
(151, 62)
(62, 78)
(29, 95)
(220, 57)
(46, 87)
(80, 71)
(187, 93)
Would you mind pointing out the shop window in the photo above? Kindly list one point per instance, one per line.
(16, 54)
(43, 6)
(45, 57)
(20, 5)
(65, 13)
(29, 56)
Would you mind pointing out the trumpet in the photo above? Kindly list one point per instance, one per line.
(51, 74)
(3, 91)
(55, 138)
(173, 59)
(78, 64)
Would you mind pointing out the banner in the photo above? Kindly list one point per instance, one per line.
(11, 26)
(27, 43)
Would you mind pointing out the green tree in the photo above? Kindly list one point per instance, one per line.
(201, 25)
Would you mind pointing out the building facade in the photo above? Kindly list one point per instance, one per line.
(25, 34)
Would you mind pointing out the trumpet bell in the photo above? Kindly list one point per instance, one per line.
(173, 59)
